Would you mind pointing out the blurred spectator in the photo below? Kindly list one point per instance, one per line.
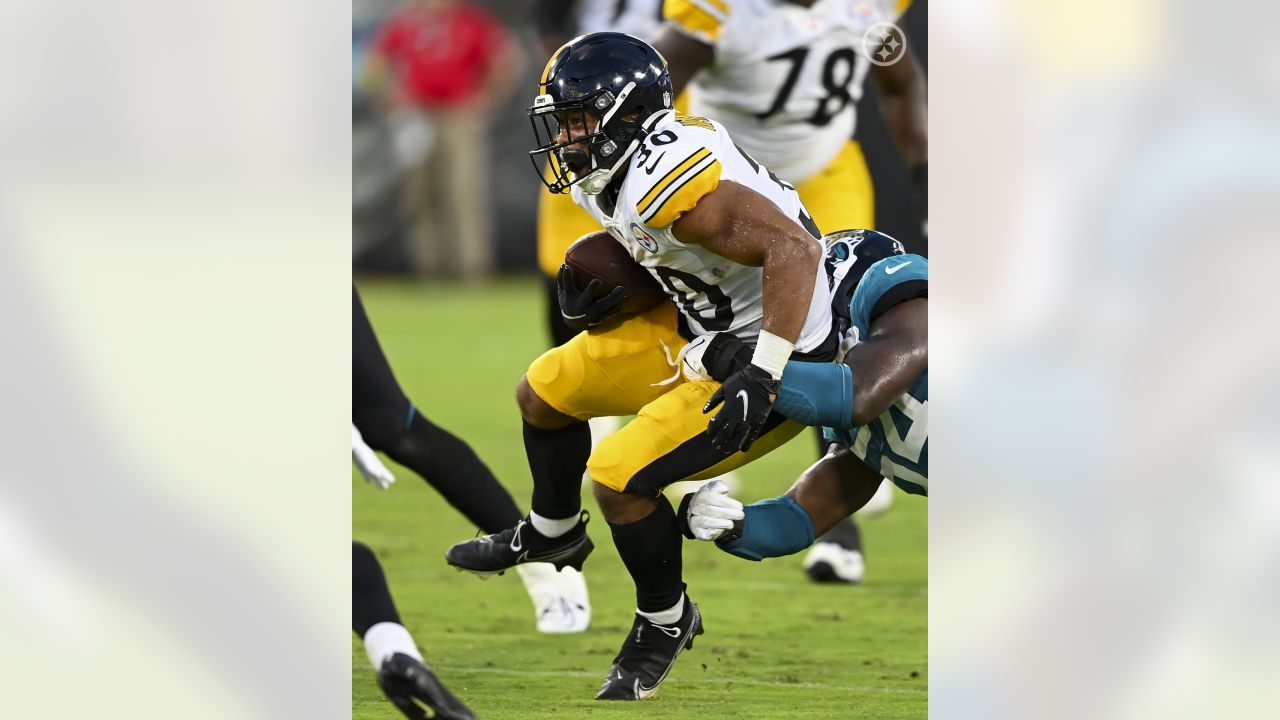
(441, 68)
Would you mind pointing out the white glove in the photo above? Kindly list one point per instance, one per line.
(712, 511)
(374, 472)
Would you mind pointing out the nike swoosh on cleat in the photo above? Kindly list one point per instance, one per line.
(896, 268)
(745, 402)
(672, 631)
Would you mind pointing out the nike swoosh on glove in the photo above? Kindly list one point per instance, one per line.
(748, 397)
(584, 309)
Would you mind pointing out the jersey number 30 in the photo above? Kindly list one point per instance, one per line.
(722, 315)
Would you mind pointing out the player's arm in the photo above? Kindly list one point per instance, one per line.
(685, 55)
(833, 488)
(904, 103)
(736, 223)
(869, 379)
(890, 360)
(855, 391)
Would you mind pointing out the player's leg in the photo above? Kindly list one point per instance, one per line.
(389, 422)
(666, 442)
(402, 673)
(613, 372)
(839, 197)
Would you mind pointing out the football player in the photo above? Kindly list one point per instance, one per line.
(560, 221)
(383, 418)
(785, 79)
(402, 673)
(737, 252)
(874, 406)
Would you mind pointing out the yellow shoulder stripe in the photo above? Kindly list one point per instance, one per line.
(686, 195)
(901, 6)
(700, 18)
(698, 156)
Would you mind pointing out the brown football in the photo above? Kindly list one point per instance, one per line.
(597, 255)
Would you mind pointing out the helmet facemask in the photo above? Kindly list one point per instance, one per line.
(589, 160)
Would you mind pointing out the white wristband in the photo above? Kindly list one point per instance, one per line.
(772, 353)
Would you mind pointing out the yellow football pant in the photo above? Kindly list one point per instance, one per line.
(632, 368)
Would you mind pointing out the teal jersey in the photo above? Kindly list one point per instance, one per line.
(896, 443)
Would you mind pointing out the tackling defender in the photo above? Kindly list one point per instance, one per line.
(785, 78)
(874, 404)
(738, 253)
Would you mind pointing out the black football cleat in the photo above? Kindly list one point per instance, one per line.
(521, 544)
(648, 654)
(411, 686)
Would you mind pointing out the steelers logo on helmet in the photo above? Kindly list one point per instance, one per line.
(596, 95)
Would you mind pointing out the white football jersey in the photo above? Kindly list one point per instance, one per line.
(640, 18)
(681, 160)
(786, 79)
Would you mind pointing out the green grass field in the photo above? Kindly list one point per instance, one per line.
(776, 646)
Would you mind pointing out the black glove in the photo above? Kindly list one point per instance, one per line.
(584, 309)
(748, 397)
(920, 196)
(725, 355)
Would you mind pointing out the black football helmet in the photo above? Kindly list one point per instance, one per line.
(849, 254)
(614, 78)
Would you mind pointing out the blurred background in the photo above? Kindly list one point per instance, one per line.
(393, 135)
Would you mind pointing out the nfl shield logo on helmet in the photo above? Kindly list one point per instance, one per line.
(644, 238)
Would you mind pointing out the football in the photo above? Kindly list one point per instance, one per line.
(597, 255)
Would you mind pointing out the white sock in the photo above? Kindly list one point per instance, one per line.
(550, 527)
(386, 639)
(670, 616)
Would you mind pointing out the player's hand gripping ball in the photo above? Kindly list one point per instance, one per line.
(595, 269)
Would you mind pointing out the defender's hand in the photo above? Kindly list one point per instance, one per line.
(374, 472)
(709, 512)
(584, 309)
(748, 396)
(715, 357)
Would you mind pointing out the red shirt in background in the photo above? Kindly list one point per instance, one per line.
(441, 58)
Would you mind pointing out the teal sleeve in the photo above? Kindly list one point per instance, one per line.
(772, 528)
(817, 393)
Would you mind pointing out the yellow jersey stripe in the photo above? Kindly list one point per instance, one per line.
(698, 18)
(698, 156)
(722, 6)
(901, 6)
(685, 195)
